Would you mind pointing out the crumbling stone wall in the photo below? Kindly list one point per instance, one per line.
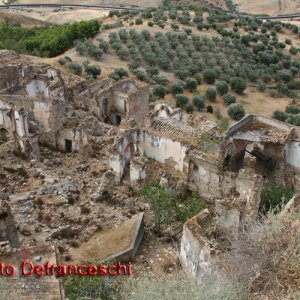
(150, 145)
(8, 232)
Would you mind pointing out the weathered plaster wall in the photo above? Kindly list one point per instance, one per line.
(205, 178)
(77, 136)
(196, 253)
(5, 119)
(38, 89)
(9, 76)
(148, 144)
(138, 104)
(293, 154)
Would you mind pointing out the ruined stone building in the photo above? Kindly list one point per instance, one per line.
(37, 106)
(41, 106)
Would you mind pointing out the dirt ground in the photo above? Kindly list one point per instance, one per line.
(142, 3)
(58, 16)
(270, 7)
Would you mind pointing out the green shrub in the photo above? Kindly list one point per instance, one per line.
(229, 99)
(211, 94)
(236, 111)
(114, 75)
(177, 88)
(238, 85)
(189, 108)
(280, 115)
(199, 101)
(93, 70)
(163, 80)
(47, 41)
(223, 124)
(159, 90)
(140, 75)
(292, 109)
(293, 50)
(103, 45)
(91, 287)
(222, 88)
(62, 61)
(168, 207)
(121, 72)
(152, 70)
(210, 76)
(75, 68)
(261, 87)
(274, 196)
(181, 100)
(138, 21)
(191, 84)
(210, 109)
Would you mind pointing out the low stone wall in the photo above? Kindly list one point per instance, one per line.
(129, 253)
(197, 254)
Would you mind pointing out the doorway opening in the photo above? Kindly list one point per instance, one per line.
(68, 146)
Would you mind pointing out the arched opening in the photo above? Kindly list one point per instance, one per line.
(3, 135)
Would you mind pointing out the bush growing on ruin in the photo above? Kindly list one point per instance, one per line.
(229, 99)
(273, 197)
(199, 101)
(91, 287)
(265, 258)
(236, 111)
(210, 76)
(238, 85)
(191, 84)
(182, 286)
(223, 124)
(222, 88)
(181, 100)
(168, 207)
(159, 90)
(75, 68)
(211, 94)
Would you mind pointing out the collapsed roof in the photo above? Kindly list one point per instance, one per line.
(261, 129)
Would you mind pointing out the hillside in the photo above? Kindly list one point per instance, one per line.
(142, 3)
(270, 7)
(21, 19)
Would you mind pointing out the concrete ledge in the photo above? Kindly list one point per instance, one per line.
(129, 253)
